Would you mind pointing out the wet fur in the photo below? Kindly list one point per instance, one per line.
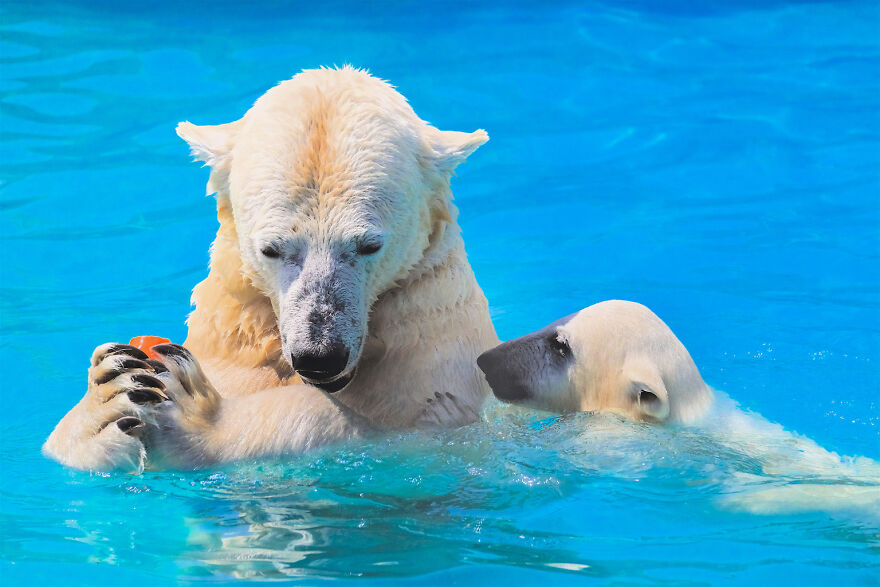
(321, 157)
(614, 356)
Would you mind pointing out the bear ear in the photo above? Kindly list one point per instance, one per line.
(652, 403)
(213, 145)
(647, 391)
(209, 143)
(451, 148)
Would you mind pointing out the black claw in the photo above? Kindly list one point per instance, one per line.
(157, 366)
(108, 376)
(147, 380)
(129, 363)
(135, 364)
(125, 349)
(450, 396)
(144, 395)
(129, 424)
(169, 349)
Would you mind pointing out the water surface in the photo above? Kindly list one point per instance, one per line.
(717, 164)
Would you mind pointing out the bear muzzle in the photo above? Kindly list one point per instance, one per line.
(324, 368)
(505, 384)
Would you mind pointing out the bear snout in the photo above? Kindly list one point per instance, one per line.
(505, 384)
(321, 365)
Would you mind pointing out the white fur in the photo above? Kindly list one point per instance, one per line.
(320, 165)
(796, 473)
(619, 349)
(614, 356)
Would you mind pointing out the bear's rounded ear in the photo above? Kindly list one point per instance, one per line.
(209, 143)
(646, 390)
(213, 145)
(652, 403)
(451, 148)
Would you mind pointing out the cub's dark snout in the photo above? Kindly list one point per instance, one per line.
(501, 374)
(489, 361)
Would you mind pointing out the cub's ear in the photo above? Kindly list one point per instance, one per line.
(647, 391)
(451, 148)
(651, 402)
(213, 145)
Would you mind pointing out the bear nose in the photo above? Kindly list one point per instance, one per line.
(321, 365)
(506, 384)
(488, 361)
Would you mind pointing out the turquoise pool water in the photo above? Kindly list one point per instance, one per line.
(717, 164)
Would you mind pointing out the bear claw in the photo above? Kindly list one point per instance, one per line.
(144, 395)
(157, 366)
(147, 380)
(134, 364)
(107, 376)
(169, 349)
(129, 424)
(111, 349)
(124, 349)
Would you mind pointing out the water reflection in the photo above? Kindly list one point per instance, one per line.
(517, 490)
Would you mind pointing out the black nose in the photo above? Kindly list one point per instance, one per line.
(321, 365)
(501, 375)
(487, 361)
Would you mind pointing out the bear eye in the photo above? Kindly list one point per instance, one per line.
(559, 345)
(369, 248)
(271, 252)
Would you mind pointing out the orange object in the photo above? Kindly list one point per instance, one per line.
(146, 344)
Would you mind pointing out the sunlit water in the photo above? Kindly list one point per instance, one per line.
(719, 165)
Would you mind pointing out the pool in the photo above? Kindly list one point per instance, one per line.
(719, 165)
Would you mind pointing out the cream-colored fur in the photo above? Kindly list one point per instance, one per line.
(633, 354)
(336, 228)
(619, 357)
(614, 356)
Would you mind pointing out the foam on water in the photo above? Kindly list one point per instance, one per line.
(796, 474)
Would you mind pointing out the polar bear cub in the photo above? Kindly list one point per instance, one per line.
(614, 356)
(619, 357)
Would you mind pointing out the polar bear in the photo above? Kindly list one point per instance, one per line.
(619, 357)
(338, 268)
(614, 356)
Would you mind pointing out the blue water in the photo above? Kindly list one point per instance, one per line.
(719, 164)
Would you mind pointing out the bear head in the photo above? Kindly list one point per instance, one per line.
(614, 356)
(335, 188)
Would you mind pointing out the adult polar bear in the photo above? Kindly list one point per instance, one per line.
(338, 258)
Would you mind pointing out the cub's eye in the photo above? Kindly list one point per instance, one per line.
(270, 252)
(369, 248)
(559, 345)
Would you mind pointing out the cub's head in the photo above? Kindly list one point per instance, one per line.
(336, 189)
(614, 356)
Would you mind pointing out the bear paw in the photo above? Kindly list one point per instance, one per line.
(104, 430)
(443, 410)
(186, 385)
